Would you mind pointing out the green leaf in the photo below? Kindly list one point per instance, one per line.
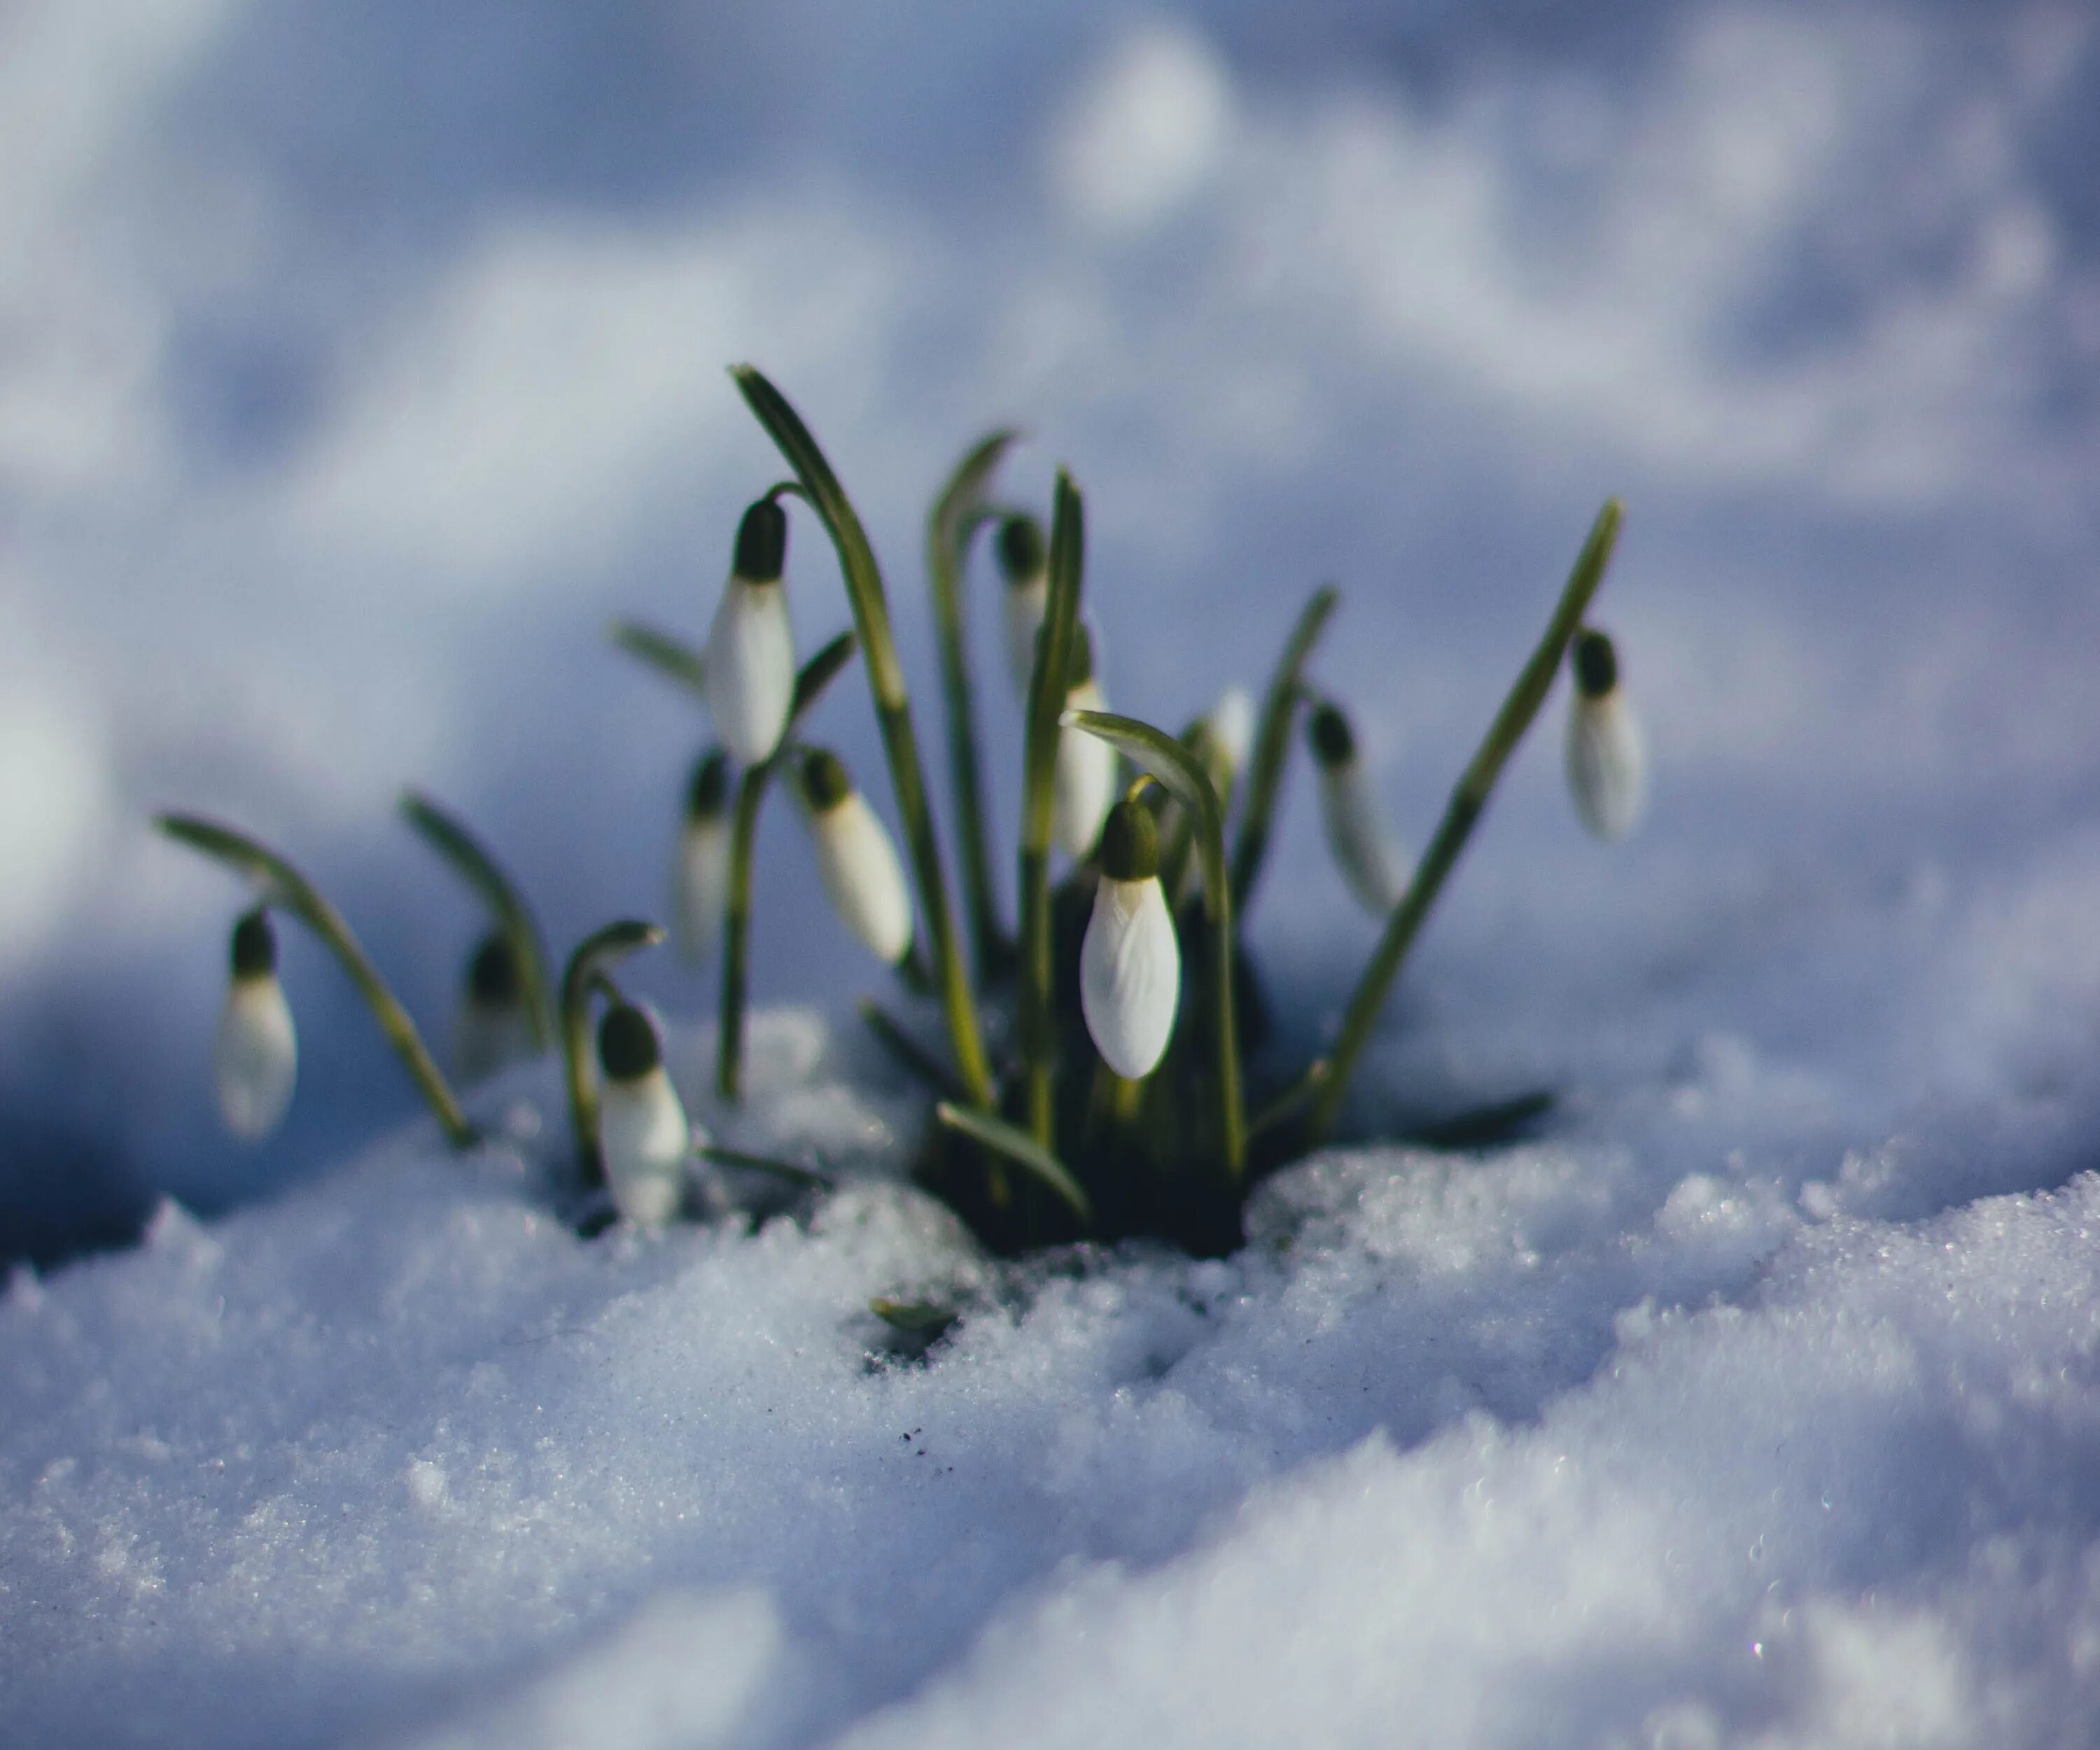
(1047, 693)
(760, 1163)
(1272, 743)
(892, 1037)
(817, 673)
(514, 917)
(954, 518)
(1018, 1146)
(914, 1318)
(673, 657)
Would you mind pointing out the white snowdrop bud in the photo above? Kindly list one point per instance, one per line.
(699, 877)
(643, 1134)
(1363, 845)
(1231, 723)
(1130, 964)
(749, 664)
(1084, 788)
(493, 1030)
(855, 859)
(1607, 758)
(1025, 564)
(255, 1058)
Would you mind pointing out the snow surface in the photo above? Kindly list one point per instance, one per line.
(357, 364)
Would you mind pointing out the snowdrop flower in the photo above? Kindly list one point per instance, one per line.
(493, 1030)
(1085, 784)
(256, 1057)
(699, 880)
(1130, 964)
(1025, 563)
(855, 859)
(1364, 846)
(749, 664)
(643, 1134)
(1607, 759)
(1231, 722)
(1220, 738)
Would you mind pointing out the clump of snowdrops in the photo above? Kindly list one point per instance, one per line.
(1095, 1074)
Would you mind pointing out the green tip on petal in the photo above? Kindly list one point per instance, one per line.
(825, 784)
(708, 794)
(1334, 742)
(491, 975)
(1596, 664)
(1130, 843)
(762, 542)
(627, 1045)
(254, 945)
(1021, 554)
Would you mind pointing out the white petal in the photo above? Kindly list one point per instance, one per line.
(1366, 848)
(644, 1138)
(750, 668)
(1025, 605)
(488, 1036)
(255, 1058)
(700, 886)
(1130, 975)
(1085, 784)
(862, 877)
(1607, 763)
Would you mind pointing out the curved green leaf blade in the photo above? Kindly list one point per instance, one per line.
(1272, 743)
(451, 840)
(1018, 1146)
(673, 657)
(953, 519)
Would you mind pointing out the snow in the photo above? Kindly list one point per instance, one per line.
(357, 365)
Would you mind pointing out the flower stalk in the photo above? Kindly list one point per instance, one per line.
(871, 613)
(285, 889)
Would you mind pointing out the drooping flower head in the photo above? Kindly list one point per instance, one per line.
(1366, 849)
(1083, 789)
(1130, 964)
(255, 1056)
(856, 860)
(749, 664)
(643, 1135)
(493, 1030)
(699, 876)
(1025, 562)
(1606, 753)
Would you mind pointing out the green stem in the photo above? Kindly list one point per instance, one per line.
(871, 612)
(589, 970)
(815, 675)
(284, 887)
(1046, 699)
(736, 932)
(949, 528)
(514, 917)
(1333, 1071)
(671, 657)
(1271, 745)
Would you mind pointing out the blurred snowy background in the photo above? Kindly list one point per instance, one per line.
(356, 363)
